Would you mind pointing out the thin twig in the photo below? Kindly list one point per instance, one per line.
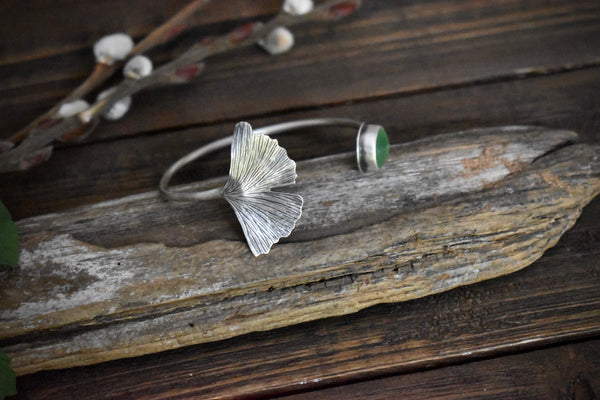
(242, 36)
(38, 143)
(101, 72)
(170, 29)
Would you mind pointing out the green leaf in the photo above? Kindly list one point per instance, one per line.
(8, 380)
(9, 242)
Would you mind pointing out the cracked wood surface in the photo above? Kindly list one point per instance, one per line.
(445, 212)
(418, 67)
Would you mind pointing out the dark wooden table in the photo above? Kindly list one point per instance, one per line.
(418, 67)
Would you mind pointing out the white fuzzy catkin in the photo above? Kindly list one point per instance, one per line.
(119, 109)
(72, 108)
(278, 41)
(113, 48)
(297, 7)
(137, 67)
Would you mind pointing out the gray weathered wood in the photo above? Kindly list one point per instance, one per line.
(139, 275)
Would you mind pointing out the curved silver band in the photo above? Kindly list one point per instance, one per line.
(221, 143)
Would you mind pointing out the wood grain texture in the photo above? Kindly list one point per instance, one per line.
(440, 215)
(386, 49)
(101, 171)
(564, 372)
(418, 67)
(554, 300)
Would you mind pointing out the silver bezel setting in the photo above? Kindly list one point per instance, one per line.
(366, 147)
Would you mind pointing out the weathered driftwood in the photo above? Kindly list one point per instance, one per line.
(140, 275)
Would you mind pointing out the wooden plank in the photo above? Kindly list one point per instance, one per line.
(405, 245)
(399, 43)
(91, 173)
(554, 300)
(571, 371)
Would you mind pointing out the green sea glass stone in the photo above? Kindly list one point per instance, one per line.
(382, 147)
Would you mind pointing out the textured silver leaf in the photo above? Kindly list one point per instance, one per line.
(259, 164)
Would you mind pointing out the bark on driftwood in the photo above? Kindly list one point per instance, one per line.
(139, 275)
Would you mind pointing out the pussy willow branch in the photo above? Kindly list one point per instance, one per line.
(39, 142)
(101, 72)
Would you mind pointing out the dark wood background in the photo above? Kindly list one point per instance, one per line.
(418, 67)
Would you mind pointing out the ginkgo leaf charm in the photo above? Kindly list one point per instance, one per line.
(259, 164)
